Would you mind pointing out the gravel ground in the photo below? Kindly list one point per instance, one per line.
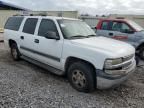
(24, 85)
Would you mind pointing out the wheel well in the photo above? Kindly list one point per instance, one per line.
(141, 45)
(11, 42)
(71, 60)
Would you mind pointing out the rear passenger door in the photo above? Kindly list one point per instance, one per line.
(104, 29)
(115, 29)
(27, 37)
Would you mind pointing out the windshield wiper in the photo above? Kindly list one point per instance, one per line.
(78, 36)
(81, 36)
(92, 35)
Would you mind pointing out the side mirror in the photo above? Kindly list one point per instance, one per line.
(94, 29)
(51, 35)
(130, 31)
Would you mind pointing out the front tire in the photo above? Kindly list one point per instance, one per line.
(15, 52)
(81, 76)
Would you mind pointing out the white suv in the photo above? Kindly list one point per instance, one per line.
(69, 47)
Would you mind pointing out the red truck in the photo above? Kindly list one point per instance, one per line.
(124, 30)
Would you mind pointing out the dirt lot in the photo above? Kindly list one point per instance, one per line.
(24, 85)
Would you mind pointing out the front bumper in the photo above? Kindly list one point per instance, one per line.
(105, 81)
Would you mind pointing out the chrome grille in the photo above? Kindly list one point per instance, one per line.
(127, 58)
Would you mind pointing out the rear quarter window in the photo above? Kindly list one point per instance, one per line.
(13, 23)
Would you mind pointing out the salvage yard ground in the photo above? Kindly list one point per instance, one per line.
(24, 85)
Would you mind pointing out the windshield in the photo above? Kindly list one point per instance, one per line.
(135, 25)
(75, 29)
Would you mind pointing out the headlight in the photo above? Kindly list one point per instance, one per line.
(119, 66)
(111, 62)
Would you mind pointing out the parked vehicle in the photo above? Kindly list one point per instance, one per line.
(70, 47)
(124, 30)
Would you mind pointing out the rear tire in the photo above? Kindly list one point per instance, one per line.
(15, 52)
(141, 53)
(81, 76)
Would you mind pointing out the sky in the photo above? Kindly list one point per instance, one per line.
(92, 7)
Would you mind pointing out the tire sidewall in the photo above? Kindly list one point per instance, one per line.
(14, 47)
(141, 52)
(88, 73)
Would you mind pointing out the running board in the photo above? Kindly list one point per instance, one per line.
(45, 66)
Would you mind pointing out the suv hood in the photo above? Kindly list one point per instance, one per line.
(104, 44)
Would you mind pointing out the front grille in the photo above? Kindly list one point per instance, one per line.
(127, 58)
(128, 64)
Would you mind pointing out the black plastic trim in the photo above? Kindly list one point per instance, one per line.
(42, 54)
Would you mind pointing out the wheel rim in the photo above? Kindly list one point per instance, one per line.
(78, 79)
(14, 53)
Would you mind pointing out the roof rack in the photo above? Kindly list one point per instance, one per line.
(40, 14)
(18, 15)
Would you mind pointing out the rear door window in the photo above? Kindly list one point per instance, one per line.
(13, 23)
(105, 25)
(116, 26)
(30, 25)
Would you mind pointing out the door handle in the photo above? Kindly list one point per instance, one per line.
(110, 34)
(36, 41)
(22, 37)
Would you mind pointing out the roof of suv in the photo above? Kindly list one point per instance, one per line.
(51, 17)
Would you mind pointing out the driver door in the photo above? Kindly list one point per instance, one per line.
(48, 50)
(122, 31)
